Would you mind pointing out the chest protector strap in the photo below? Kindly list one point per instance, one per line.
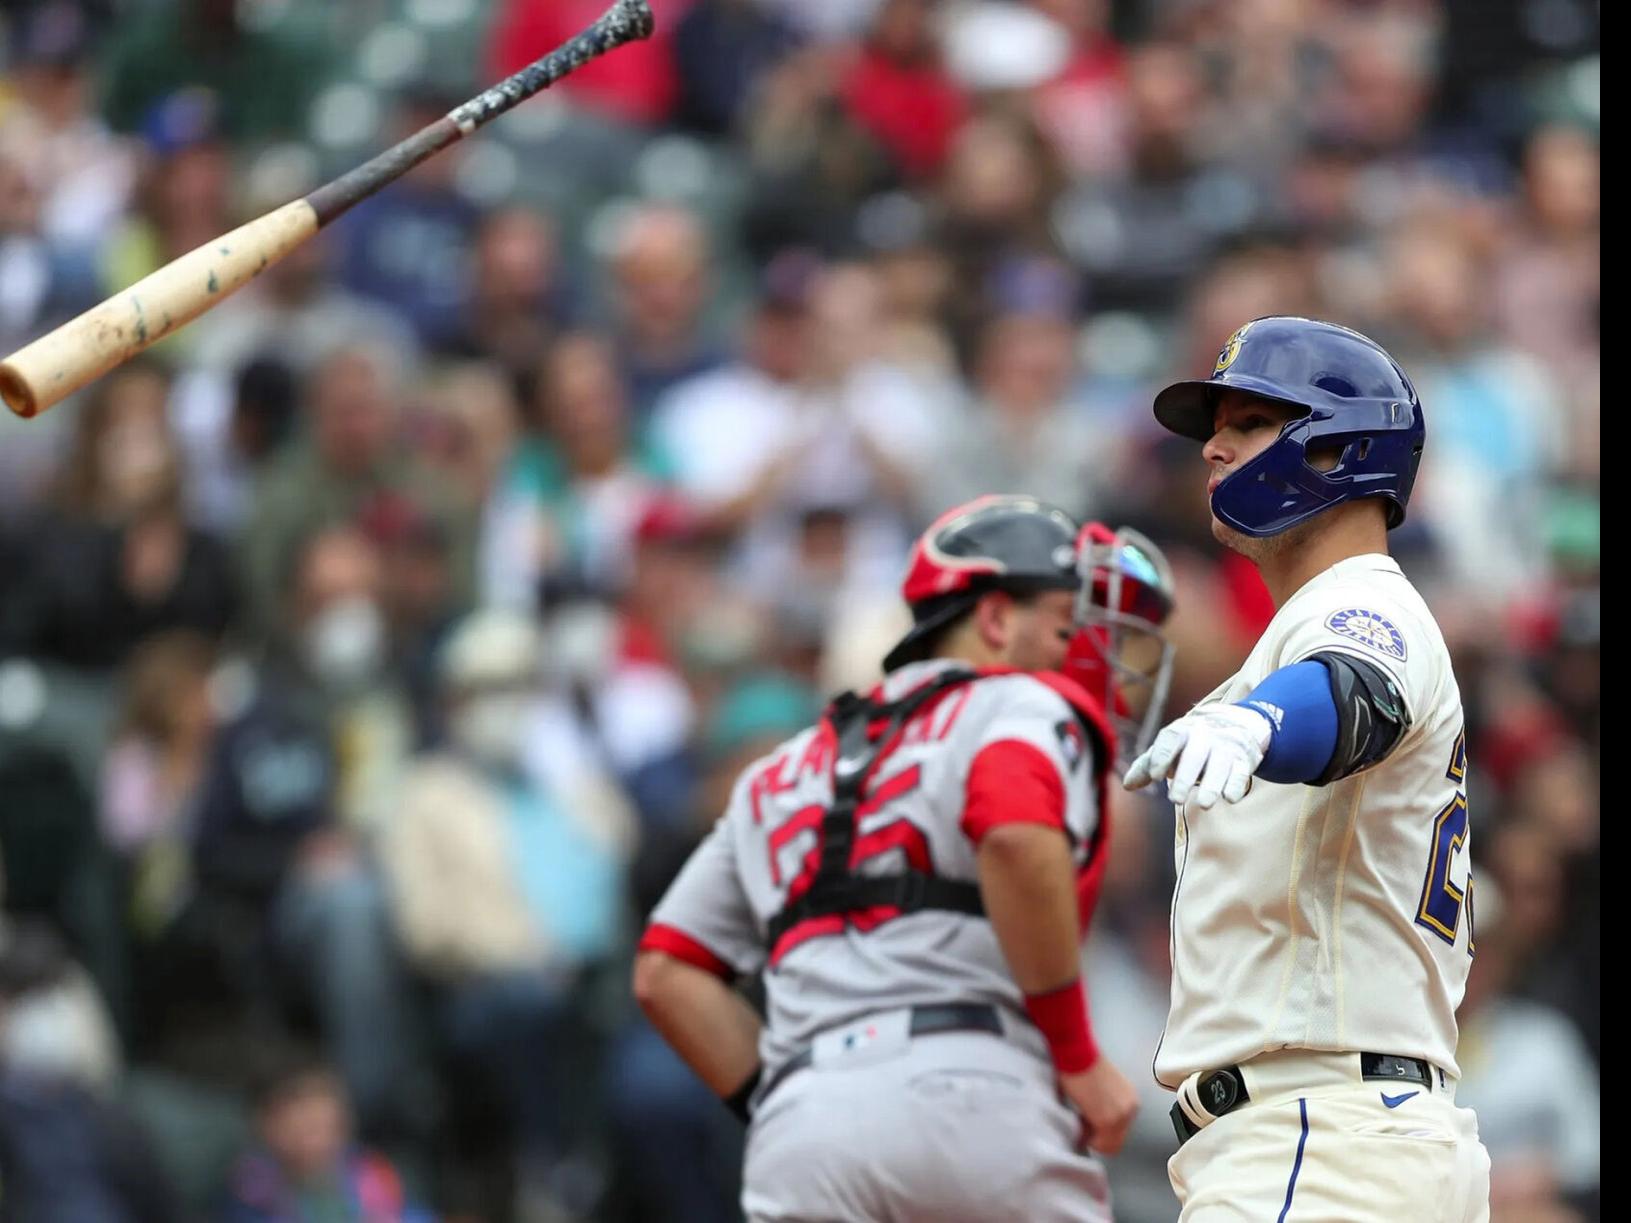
(836, 889)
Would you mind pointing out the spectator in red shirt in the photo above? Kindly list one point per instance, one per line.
(899, 92)
(640, 84)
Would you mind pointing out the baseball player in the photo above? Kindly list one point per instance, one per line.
(914, 874)
(1322, 922)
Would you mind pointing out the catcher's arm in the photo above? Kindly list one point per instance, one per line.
(707, 1022)
(1027, 882)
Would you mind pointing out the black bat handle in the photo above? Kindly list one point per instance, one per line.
(625, 21)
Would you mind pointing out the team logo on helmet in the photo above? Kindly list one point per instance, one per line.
(1368, 629)
(1231, 350)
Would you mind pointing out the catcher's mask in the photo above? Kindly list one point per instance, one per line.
(1120, 653)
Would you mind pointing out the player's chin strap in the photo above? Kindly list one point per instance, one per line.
(835, 888)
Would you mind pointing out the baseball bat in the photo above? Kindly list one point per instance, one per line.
(83, 349)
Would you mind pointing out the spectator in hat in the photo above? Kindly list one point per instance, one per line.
(82, 173)
(633, 668)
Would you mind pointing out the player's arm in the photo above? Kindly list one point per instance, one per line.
(704, 1019)
(1313, 722)
(701, 937)
(1014, 811)
(1028, 883)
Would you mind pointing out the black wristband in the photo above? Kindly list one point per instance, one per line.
(737, 1101)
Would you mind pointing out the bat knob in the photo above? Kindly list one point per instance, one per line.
(636, 17)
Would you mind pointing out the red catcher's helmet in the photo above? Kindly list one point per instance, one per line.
(1011, 543)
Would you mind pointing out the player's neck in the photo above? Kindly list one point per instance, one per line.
(970, 656)
(1287, 570)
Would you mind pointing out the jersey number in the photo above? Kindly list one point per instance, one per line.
(1441, 900)
(899, 834)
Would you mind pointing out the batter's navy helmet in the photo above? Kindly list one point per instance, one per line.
(1355, 400)
(1012, 543)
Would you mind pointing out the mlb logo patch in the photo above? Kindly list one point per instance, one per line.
(863, 1042)
(856, 1040)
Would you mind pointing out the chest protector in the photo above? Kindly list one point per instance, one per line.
(865, 729)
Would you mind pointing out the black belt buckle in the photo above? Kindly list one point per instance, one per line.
(1220, 1092)
(1391, 1068)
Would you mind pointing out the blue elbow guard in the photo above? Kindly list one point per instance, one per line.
(1299, 703)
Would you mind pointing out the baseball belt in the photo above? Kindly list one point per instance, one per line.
(1219, 1092)
(925, 1021)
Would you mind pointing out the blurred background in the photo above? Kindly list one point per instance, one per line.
(320, 889)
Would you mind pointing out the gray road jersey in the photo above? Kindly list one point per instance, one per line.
(833, 970)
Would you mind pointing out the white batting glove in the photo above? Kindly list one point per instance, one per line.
(1212, 751)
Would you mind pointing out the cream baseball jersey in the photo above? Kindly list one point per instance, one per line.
(998, 748)
(1335, 917)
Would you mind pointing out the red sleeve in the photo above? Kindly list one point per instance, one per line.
(1012, 782)
(682, 946)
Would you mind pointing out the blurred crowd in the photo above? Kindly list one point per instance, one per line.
(373, 650)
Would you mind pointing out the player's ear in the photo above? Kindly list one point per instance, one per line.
(994, 620)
